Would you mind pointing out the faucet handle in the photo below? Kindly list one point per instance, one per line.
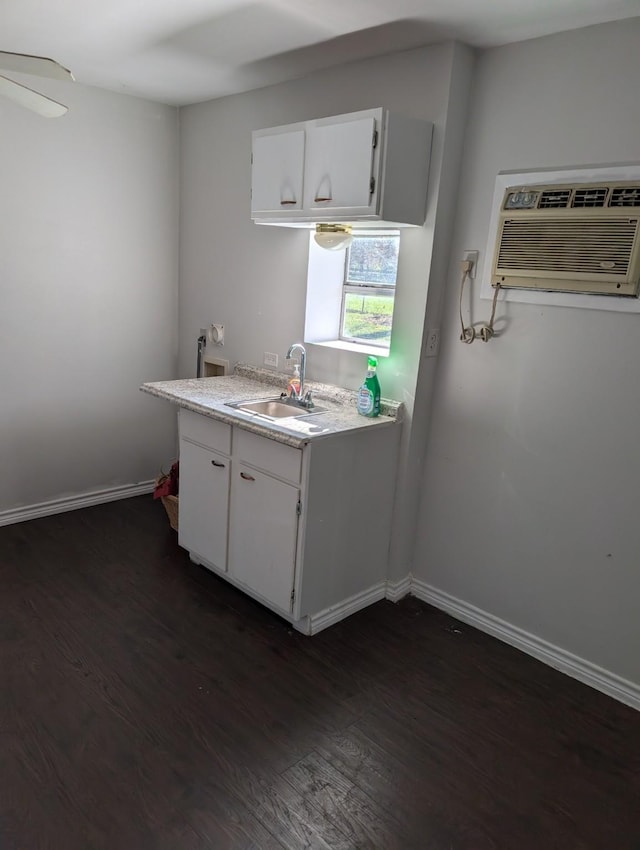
(308, 400)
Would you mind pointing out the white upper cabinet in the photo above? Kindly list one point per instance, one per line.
(369, 166)
(276, 175)
(338, 172)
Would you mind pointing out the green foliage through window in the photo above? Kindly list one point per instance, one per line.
(369, 289)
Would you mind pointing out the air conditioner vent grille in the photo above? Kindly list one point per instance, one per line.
(590, 197)
(628, 196)
(593, 246)
(554, 199)
(570, 237)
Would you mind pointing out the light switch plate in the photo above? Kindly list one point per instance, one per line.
(270, 358)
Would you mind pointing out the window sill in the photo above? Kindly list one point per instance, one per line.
(356, 347)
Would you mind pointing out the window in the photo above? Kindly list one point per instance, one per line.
(350, 293)
(368, 292)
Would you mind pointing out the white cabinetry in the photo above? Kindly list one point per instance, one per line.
(303, 530)
(204, 487)
(262, 534)
(204, 502)
(369, 166)
(339, 167)
(263, 527)
(278, 160)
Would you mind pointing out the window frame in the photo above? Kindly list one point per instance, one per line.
(375, 289)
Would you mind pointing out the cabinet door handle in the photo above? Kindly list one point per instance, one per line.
(247, 477)
(318, 200)
(284, 203)
(217, 463)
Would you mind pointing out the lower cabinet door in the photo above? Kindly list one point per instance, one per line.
(204, 503)
(263, 530)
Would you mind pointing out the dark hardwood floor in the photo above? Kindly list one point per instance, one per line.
(147, 705)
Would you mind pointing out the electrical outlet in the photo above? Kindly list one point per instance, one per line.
(432, 344)
(473, 256)
(270, 358)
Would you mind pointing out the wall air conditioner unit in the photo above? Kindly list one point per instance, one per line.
(579, 237)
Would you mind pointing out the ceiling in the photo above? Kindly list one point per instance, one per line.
(185, 51)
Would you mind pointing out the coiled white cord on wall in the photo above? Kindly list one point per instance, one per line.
(485, 332)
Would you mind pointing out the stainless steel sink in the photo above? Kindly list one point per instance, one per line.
(275, 408)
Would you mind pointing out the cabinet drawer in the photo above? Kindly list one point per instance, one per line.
(206, 431)
(263, 453)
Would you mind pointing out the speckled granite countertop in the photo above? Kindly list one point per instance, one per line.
(210, 397)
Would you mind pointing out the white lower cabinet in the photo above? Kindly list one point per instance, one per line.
(204, 502)
(263, 530)
(306, 531)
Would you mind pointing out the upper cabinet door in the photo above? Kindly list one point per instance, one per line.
(277, 171)
(339, 166)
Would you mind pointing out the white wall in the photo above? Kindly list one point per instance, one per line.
(414, 441)
(253, 279)
(529, 507)
(88, 284)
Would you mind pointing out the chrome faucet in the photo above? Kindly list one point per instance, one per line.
(305, 400)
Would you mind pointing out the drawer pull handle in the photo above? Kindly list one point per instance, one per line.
(217, 463)
(284, 203)
(247, 477)
(319, 200)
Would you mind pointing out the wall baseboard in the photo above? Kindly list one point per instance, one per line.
(323, 619)
(578, 668)
(397, 589)
(73, 503)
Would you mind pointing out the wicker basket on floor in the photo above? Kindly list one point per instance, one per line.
(170, 504)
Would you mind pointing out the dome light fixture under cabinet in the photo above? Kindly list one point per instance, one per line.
(333, 237)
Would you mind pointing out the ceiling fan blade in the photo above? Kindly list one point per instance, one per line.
(40, 66)
(31, 99)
